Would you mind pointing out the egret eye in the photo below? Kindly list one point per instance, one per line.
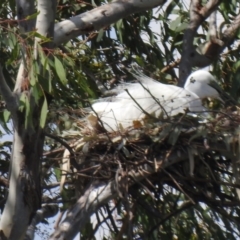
(192, 80)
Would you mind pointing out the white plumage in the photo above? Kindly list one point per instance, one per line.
(152, 98)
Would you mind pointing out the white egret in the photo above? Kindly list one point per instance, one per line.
(135, 101)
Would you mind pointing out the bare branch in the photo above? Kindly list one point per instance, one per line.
(211, 49)
(100, 17)
(231, 31)
(95, 196)
(213, 25)
(68, 147)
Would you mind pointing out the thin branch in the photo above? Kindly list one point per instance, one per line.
(123, 227)
(145, 112)
(59, 219)
(183, 207)
(73, 155)
(231, 31)
(55, 184)
(179, 187)
(150, 209)
(155, 99)
(111, 218)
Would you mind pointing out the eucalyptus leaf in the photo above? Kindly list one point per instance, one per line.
(60, 71)
(44, 112)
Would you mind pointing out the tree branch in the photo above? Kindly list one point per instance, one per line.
(198, 14)
(211, 49)
(47, 211)
(25, 8)
(213, 25)
(230, 32)
(100, 17)
(184, 206)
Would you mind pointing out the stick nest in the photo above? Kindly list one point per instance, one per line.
(197, 159)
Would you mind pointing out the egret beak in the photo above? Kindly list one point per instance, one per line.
(223, 96)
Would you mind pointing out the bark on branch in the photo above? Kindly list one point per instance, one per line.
(100, 17)
(25, 8)
(230, 32)
(211, 50)
(198, 14)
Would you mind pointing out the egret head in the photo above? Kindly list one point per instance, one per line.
(203, 84)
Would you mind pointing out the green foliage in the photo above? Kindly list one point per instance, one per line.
(24, 106)
(60, 71)
(43, 115)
